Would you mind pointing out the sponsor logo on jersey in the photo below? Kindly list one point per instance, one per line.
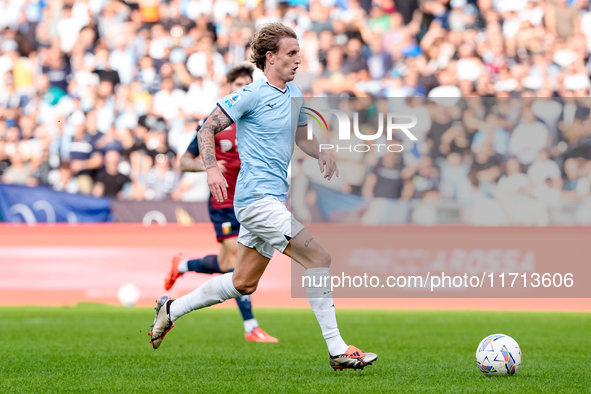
(225, 145)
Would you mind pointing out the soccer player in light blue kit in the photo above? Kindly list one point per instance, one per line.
(267, 127)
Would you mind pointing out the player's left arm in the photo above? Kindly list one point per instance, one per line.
(312, 148)
(191, 160)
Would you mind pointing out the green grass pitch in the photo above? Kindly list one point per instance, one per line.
(105, 349)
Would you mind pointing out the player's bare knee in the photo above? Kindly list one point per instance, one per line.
(245, 287)
(327, 259)
(324, 260)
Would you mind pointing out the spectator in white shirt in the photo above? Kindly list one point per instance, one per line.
(528, 138)
(201, 97)
(123, 61)
(546, 178)
(514, 182)
(68, 29)
(197, 64)
(161, 43)
(168, 101)
(548, 111)
(544, 168)
(513, 192)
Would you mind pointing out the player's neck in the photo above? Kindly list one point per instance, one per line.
(275, 80)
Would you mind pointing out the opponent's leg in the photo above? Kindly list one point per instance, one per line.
(312, 256)
(205, 265)
(210, 264)
(180, 266)
(228, 256)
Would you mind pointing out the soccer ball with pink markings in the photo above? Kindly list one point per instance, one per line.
(499, 355)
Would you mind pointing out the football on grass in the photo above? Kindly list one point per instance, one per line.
(498, 355)
(128, 295)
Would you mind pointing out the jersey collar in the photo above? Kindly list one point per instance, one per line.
(273, 86)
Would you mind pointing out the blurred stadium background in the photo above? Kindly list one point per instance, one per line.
(99, 99)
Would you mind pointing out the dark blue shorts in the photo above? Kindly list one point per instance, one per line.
(224, 221)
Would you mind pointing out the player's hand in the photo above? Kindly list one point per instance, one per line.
(325, 160)
(222, 166)
(217, 184)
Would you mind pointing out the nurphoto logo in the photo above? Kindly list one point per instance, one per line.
(344, 130)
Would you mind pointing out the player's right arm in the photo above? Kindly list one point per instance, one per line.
(191, 159)
(215, 123)
(228, 110)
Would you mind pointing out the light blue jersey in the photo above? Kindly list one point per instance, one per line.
(265, 129)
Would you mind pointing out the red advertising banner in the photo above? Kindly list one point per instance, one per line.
(67, 264)
(414, 261)
(159, 212)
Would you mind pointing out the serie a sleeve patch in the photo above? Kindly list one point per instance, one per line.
(232, 100)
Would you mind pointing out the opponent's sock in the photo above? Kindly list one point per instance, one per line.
(183, 267)
(205, 265)
(245, 307)
(320, 299)
(214, 291)
(250, 325)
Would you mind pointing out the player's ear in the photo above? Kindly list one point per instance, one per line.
(270, 57)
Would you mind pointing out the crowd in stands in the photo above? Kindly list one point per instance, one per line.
(102, 97)
(524, 153)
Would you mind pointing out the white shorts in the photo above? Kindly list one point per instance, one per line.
(266, 225)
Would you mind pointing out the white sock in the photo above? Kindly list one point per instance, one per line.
(183, 266)
(320, 298)
(214, 291)
(250, 325)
